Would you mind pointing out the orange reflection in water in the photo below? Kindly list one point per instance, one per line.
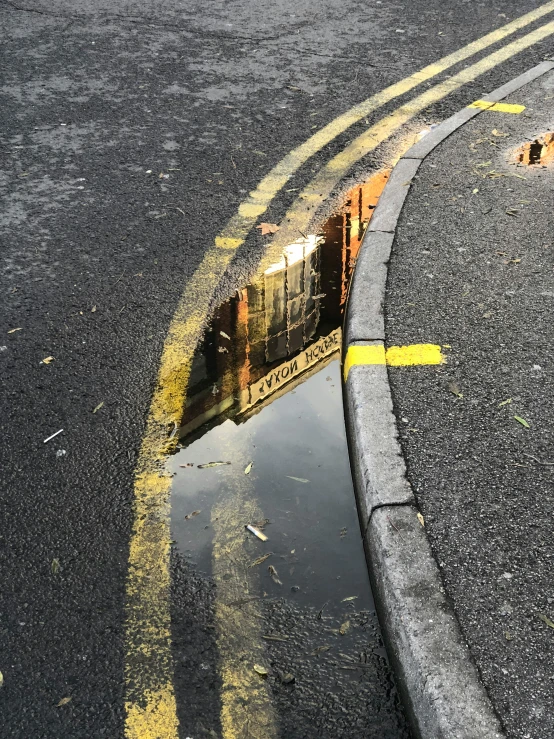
(285, 322)
(540, 151)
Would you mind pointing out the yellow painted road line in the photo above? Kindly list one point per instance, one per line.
(394, 356)
(256, 204)
(150, 706)
(298, 217)
(499, 107)
(246, 707)
(149, 693)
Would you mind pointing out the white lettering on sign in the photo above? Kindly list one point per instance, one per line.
(278, 377)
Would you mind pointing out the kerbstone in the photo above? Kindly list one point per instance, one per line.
(364, 317)
(438, 680)
(392, 198)
(377, 463)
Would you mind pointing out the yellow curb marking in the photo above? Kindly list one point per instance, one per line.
(150, 704)
(498, 107)
(394, 356)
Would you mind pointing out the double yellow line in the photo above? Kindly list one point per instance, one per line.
(149, 693)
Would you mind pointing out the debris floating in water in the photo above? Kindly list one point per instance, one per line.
(256, 532)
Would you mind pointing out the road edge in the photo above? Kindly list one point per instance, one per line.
(437, 678)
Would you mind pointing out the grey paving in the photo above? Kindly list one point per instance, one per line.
(471, 269)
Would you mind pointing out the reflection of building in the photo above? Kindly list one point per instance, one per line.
(282, 324)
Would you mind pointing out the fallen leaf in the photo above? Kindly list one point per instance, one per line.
(47, 360)
(248, 468)
(350, 597)
(261, 670)
(260, 560)
(55, 566)
(211, 464)
(225, 336)
(64, 701)
(508, 636)
(319, 650)
(288, 678)
(298, 479)
(1, 679)
(93, 309)
(505, 402)
(421, 519)
(274, 574)
(455, 389)
(475, 190)
(268, 228)
(496, 132)
(522, 421)
(98, 407)
(488, 314)
(546, 620)
(192, 515)
(13, 330)
(344, 627)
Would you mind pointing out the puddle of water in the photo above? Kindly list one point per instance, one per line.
(265, 396)
(265, 388)
(540, 151)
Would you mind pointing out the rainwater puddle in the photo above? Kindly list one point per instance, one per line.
(283, 631)
(265, 389)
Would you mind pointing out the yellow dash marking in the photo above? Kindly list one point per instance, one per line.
(355, 355)
(260, 198)
(228, 243)
(394, 356)
(499, 107)
(406, 356)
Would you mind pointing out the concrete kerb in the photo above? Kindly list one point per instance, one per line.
(437, 678)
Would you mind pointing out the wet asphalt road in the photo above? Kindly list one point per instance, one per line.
(96, 252)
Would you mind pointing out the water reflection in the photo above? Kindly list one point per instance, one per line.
(289, 621)
(283, 323)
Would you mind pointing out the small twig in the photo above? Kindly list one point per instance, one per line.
(546, 464)
(395, 528)
(176, 208)
(318, 617)
(118, 279)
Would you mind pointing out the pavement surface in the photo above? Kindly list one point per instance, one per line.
(130, 134)
(472, 270)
